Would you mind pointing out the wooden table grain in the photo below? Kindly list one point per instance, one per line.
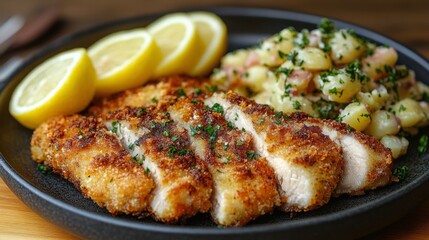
(404, 21)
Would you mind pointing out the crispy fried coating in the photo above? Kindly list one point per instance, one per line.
(83, 151)
(183, 185)
(367, 162)
(244, 184)
(165, 90)
(308, 165)
(173, 148)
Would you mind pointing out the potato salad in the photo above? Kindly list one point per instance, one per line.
(333, 74)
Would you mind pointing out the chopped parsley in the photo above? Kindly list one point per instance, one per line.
(261, 120)
(239, 143)
(355, 72)
(115, 125)
(425, 96)
(292, 56)
(163, 124)
(212, 132)
(173, 151)
(327, 29)
(401, 108)
(285, 71)
(281, 54)
(198, 91)
(166, 133)
(366, 115)
(393, 75)
(335, 91)
(423, 144)
(43, 169)
(193, 131)
(181, 92)
(278, 116)
(174, 138)
(211, 88)
(225, 146)
(154, 100)
(139, 160)
(302, 40)
(400, 172)
(217, 108)
(326, 26)
(131, 146)
(252, 155)
(296, 105)
(230, 125)
(141, 112)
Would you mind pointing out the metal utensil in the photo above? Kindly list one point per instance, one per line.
(8, 30)
(19, 30)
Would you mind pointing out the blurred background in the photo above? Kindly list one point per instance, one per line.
(49, 20)
(405, 21)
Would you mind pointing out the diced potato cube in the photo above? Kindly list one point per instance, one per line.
(345, 47)
(397, 145)
(339, 87)
(409, 112)
(383, 123)
(356, 115)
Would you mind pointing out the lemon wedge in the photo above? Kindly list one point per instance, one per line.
(212, 32)
(123, 60)
(63, 84)
(177, 37)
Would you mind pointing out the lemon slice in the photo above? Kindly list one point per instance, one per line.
(177, 37)
(63, 84)
(212, 32)
(123, 60)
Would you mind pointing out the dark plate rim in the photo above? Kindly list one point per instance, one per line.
(180, 229)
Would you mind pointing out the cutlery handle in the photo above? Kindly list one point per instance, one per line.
(7, 69)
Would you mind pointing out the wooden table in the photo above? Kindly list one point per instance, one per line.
(405, 21)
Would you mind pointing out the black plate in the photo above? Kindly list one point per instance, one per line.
(59, 202)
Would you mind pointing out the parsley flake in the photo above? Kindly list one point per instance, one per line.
(217, 108)
(115, 126)
(400, 172)
(252, 155)
(43, 169)
(423, 144)
(211, 88)
(141, 112)
(181, 92)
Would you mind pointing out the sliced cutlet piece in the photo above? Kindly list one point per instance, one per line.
(164, 90)
(83, 151)
(307, 164)
(367, 163)
(183, 183)
(244, 184)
